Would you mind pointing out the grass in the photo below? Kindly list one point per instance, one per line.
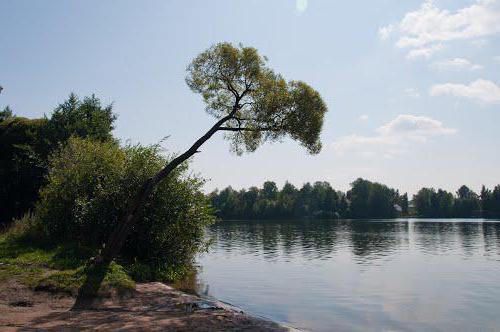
(25, 275)
(56, 269)
(69, 281)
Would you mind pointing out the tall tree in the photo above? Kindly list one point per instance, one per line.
(495, 202)
(81, 117)
(6, 113)
(422, 202)
(270, 190)
(467, 203)
(22, 168)
(251, 103)
(358, 196)
(286, 200)
(27, 143)
(465, 192)
(403, 203)
(486, 202)
(430, 203)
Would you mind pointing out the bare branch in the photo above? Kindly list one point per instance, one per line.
(247, 89)
(249, 129)
(246, 103)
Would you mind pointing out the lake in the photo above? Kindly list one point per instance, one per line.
(359, 275)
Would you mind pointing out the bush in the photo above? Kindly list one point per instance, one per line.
(69, 281)
(89, 186)
(31, 262)
(25, 145)
(21, 170)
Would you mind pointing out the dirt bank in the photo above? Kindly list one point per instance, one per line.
(152, 307)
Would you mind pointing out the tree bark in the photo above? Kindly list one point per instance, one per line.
(97, 269)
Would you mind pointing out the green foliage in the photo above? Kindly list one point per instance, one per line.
(27, 143)
(319, 200)
(436, 204)
(78, 173)
(270, 190)
(82, 118)
(268, 107)
(372, 200)
(466, 204)
(404, 204)
(142, 272)
(70, 281)
(58, 268)
(490, 202)
(24, 274)
(89, 186)
(6, 113)
(365, 200)
(23, 244)
(21, 165)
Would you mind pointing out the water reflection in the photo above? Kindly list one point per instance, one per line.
(366, 240)
(346, 275)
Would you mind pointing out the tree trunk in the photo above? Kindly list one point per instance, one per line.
(97, 269)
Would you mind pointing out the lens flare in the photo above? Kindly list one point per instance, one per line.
(301, 5)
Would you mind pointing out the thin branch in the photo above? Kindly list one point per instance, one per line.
(238, 120)
(247, 103)
(247, 89)
(248, 129)
(236, 129)
(232, 90)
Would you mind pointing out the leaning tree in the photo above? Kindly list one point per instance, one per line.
(252, 105)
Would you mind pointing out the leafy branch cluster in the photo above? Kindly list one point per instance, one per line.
(254, 102)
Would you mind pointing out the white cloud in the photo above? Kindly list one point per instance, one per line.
(385, 32)
(301, 5)
(479, 43)
(455, 64)
(363, 117)
(412, 93)
(496, 58)
(425, 28)
(480, 90)
(414, 127)
(394, 137)
(423, 52)
(367, 145)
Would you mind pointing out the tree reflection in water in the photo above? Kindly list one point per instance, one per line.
(366, 239)
(402, 274)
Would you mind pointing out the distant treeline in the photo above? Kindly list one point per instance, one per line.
(365, 199)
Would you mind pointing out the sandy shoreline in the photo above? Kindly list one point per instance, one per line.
(152, 307)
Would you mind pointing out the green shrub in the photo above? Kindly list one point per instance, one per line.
(57, 268)
(25, 145)
(89, 186)
(69, 281)
(21, 168)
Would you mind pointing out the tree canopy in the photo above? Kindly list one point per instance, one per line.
(89, 185)
(82, 118)
(252, 105)
(365, 200)
(257, 104)
(6, 113)
(318, 200)
(26, 145)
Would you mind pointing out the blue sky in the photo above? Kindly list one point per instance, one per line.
(412, 87)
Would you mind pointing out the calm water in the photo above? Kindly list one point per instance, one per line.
(377, 275)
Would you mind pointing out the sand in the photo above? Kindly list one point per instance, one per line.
(152, 307)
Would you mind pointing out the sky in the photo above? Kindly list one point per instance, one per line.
(412, 87)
